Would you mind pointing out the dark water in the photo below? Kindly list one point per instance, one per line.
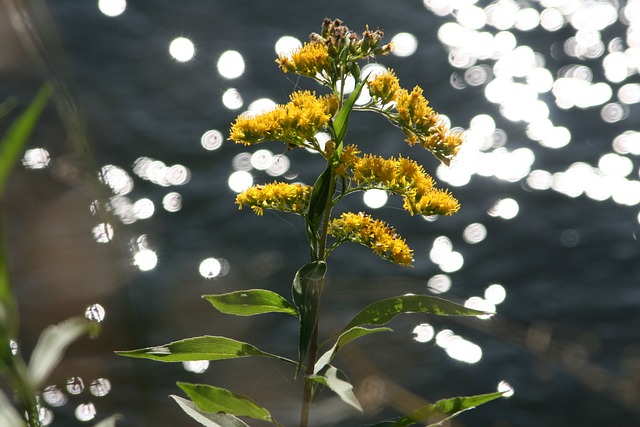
(567, 337)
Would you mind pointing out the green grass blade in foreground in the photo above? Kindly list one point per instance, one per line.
(305, 291)
(200, 348)
(383, 311)
(52, 344)
(445, 408)
(18, 134)
(208, 419)
(338, 382)
(345, 338)
(215, 399)
(9, 415)
(250, 302)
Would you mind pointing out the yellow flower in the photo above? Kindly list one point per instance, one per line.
(373, 233)
(383, 87)
(433, 202)
(423, 125)
(293, 198)
(294, 123)
(310, 60)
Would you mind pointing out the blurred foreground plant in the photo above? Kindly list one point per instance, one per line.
(331, 58)
(27, 379)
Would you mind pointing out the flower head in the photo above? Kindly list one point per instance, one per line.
(293, 198)
(383, 86)
(373, 233)
(294, 123)
(310, 60)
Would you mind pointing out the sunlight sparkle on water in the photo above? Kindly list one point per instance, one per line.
(100, 387)
(196, 366)
(474, 233)
(212, 139)
(438, 284)
(112, 8)
(506, 209)
(95, 313)
(375, 198)
(457, 347)
(240, 181)
(182, 49)
(405, 44)
(145, 259)
(231, 64)
(287, 44)
(481, 304)
(143, 208)
(54, 397)
(424, 332)
(117, 179)
(506, 388)
(232, 99)
(172, 202)
(102, 233)
(85, 411)
(210, 268)
(36, 158)
(495, 294)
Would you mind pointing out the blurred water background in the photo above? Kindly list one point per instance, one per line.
(548, 93)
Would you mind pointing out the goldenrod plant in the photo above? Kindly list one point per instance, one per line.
(331, 58)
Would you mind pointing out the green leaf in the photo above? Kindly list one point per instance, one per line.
(208, 419)
(52, 344)
(109, 422)
(340, 121)
(345, 338)
(383, 311)
(338, 382)
(445, 409)
(250, 302)
(305, 289)
(320, 197)
(200, 348)
(19, 132)
(215, 399)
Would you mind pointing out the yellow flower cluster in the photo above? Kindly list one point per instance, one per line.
(420, 123)
(310, 60)
(293, 198)
(383, 86)
(294, 123)
(373, 233)
(401, 176)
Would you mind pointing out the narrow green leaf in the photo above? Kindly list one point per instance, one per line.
(446, 409)
(250, 302)
(340, 121)
(109, 422)
(383, 311)
(52, 344)
(200, 348)
(345, 338)
(215, 399)
(208, 419)
(305, 291)
(320, 197)
(338, 382)
(19, 132)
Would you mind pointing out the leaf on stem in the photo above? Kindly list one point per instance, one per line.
(215, 399)
(208, 419)
(442, 410)
(383, 311)
(345, 338)
(52, 344)
(340, 121)
(250, 302)
(200, 348)
(338, 382)
(319, 198)
(306, 289)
